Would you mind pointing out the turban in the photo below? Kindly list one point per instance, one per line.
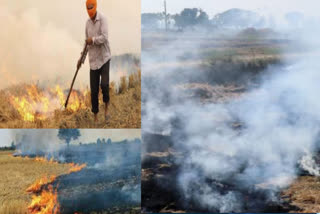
(93, 10)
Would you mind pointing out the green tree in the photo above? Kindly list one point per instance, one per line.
(203, 18)
(68, 134)
(13, 146)
(191, 17)
(99, 141)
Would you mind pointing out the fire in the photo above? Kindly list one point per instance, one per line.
(36, 187)
(45, 160)
(45, 203)
(38, 104)
(76, 167)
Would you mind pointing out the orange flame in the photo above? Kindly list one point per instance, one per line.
(45, 160)
(76, 167)
(39, 104)
(45, 203)
(36, 187)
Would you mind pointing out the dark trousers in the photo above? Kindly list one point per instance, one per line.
(95, 83)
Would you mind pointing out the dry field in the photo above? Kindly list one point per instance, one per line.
(31, 106)
(212, 71)
(17, 174)
(246, 50)
(304, 194)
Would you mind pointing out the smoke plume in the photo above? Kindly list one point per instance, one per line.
(222, 165)
(42, 41)
(35, 142)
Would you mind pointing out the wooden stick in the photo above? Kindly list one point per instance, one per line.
(82, 59)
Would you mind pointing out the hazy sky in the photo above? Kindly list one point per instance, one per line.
(310, 7)
(87, 135)
(70, 17)
(5, 137)
(42, 39)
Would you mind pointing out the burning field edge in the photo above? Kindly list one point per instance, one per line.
(92, 178)
(30, 190)
(35, 106)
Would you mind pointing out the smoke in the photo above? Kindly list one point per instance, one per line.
(308, 163)
(45, 141)
(31, 50)
(280, 120)
(35, 142)
(6, 138)
(223, 165)
(42, 42)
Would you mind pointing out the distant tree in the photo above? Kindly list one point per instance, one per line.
(203, 18)
(99, 141)
(238, 18)
(13, 146)
(68, 134)
(109, 141)
(190, 17)
(103, 141)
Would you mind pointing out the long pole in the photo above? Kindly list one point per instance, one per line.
(165, 15)
(82, 59)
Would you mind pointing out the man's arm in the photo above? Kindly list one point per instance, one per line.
(98, 40)
(86, 30)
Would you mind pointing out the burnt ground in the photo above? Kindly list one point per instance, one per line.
(109, 184)
(223, 73)
(160, 168)
(100, 190)
(160, 163)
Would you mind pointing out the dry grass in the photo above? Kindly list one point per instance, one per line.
(17, 174)
(304, 193)
(124, 109)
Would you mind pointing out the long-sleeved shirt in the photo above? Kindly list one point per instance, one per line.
(99, 51)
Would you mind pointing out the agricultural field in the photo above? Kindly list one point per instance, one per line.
(190, 119)
(17, 175)
(33, 106)
(92, 178)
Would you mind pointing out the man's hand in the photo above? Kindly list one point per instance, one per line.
(89, 41)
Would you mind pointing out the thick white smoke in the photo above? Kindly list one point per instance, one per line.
(35, 142)
(280, 122)
(31, 50)
(41, 42)
(279, 132)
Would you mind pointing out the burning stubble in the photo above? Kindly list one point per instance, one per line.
(103, 176)
(45, 197)
(39, 104)
(39, 54)
(35, 106)
(19, 179)
(44, 43)
(231, 153)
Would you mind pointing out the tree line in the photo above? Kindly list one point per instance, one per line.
(189, 17)
(66, 135)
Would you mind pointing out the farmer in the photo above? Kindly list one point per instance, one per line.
(99, 57)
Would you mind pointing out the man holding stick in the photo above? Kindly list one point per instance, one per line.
(99, 57)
